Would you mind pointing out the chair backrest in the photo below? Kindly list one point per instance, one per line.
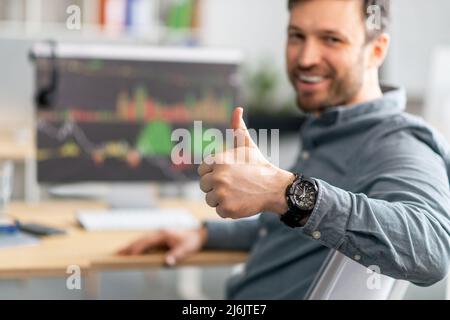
(341, 278)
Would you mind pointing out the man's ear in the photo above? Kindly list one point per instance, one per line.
(378, 50)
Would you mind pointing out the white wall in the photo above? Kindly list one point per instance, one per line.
(258, 27)
(417, 27)
(16, 84)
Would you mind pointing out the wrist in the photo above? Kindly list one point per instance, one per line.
(279, 204)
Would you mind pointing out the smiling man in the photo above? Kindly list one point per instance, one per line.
(330, 60)
(371, 181)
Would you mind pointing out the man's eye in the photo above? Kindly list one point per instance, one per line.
(332, 40)
(297, 36)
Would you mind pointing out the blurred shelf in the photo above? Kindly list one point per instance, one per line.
(155, 25)
(157, 35)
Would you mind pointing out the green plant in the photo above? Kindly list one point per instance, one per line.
(262, 84)
(262, 96)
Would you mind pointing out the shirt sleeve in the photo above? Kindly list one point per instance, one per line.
(232, 235)
(400, 223)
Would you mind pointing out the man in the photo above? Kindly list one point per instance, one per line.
(373, 181)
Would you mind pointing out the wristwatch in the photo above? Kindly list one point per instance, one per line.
(301, 198)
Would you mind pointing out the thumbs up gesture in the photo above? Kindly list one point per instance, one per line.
(240, 182)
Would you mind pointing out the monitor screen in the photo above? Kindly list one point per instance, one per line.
(108, 113)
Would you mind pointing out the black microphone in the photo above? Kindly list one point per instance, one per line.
(45, 96)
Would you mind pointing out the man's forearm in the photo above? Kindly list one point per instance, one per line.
(231, 235)
(405, 239)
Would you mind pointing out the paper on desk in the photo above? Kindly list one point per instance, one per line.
(17, 239)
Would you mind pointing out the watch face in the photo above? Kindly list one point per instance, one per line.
(305, 195)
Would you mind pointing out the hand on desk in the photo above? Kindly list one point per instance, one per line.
(180, 244)
(241, 182)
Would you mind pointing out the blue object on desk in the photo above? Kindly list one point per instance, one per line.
(8, 227)
(17, 239)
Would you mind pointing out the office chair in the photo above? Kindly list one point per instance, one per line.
(341, 278)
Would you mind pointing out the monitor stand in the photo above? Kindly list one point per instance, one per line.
(129, 195)
(116, 195)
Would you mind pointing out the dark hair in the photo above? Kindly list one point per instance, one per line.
(384, 7)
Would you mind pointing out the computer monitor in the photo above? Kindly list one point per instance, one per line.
(106, 113)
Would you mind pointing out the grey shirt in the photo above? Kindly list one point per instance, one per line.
(383, 200)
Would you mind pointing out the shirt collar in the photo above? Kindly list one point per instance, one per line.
(393, 101)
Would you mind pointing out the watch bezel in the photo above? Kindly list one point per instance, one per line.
(296, 200)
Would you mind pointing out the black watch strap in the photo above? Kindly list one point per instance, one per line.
(293, 220)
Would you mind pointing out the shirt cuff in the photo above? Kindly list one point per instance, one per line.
(328, 221)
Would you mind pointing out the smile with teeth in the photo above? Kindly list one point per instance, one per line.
(311, 79)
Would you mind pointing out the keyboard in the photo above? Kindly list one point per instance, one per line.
(136, 219)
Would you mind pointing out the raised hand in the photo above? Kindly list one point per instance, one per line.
(240, 182)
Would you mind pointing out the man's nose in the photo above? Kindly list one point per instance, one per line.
(309, 55)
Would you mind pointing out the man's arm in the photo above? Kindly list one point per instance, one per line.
(401, 225)
(231, 235)
(399, 222)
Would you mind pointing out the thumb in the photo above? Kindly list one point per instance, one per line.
(242, 136)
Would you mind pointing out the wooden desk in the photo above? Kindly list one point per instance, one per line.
(91, 251)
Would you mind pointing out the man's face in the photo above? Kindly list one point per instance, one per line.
(326, 52)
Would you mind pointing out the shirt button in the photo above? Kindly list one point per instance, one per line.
(305, 155)
(357, 257)
(316, 235)
(263, 232)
